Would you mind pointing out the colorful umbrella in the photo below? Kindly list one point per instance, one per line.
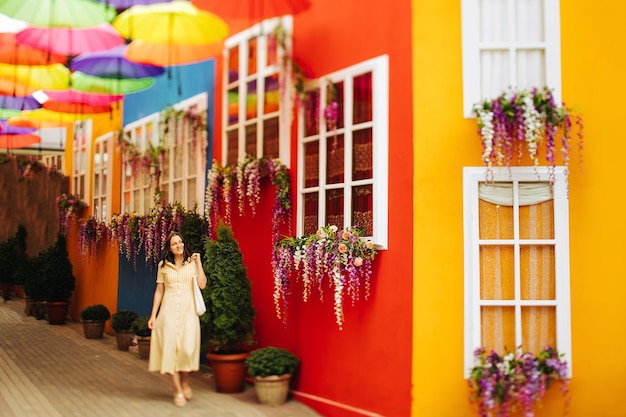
(8, 113)
(63, 13)
(91, 84)
(19, 102)
(23, 79)
(14, 53)
(125, 4)
(71, 41)
(15, 141)
(175, 23)
(27, 121)
(168, 55)
(8, 129)
(113, 63)
(72, 101)
(255, 10)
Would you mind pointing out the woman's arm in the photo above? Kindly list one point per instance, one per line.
(201, 276)
(156, 303)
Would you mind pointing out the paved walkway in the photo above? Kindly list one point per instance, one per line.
(54, 371)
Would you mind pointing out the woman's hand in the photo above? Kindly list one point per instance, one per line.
(196, 257)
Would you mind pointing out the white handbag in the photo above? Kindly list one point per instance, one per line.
(197, 295)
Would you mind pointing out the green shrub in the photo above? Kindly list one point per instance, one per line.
(140, 326)
(123, 320)
(97, 312)
(271, 360)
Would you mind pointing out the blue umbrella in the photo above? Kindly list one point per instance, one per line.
(113, 63)
(19, 102)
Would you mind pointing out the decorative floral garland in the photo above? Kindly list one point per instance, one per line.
(342, 257)
(515, 121)
(516, 381)
(91, 235)
(68, 204)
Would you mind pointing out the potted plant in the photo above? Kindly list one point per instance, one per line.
(30, 273)
(229, 319)
(122, 322)
(12, 251)
(142, 332)
(271, 368)
(94, 317)
(58, 280)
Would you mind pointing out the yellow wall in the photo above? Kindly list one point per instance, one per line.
(593, 42)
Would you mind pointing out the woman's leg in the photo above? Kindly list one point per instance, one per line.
(179, 396)
(185, 384)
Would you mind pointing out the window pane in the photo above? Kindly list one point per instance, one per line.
(251, 100)
(252, 56)
(270, 138)
(334, 160)
(311, 164)
(191, 158)
(497, 273)
(233, 64)
(495, 73)
(334, 207)
(231, 153)
(362, 107)
(338, 91)
(537, 221)
(362, 154)
(494, 18)
(178, 191)
(191, 193)
(165, 167)
(311, 113)
(272, 50)
(233, 106)
(178, 162)
(251, 140)
(538, 328)
(537, 272)
(531, 68)
(495, 221)
(362, 214)
(498, 328)
(311, 201)
(272, 95)
(529, 21)
(96, 184)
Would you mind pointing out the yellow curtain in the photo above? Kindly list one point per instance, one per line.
(536, 277)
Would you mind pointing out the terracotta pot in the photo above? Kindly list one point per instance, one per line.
(94, 329)
(143, 347)
(124, 338)
(272, 390)
(7, 289)
(57, 311)
(229, 371)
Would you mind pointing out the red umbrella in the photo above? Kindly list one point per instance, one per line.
(18, 141)
(72, 101)
(14, 53)
(253, 10)
(168, 55)
(71, 41)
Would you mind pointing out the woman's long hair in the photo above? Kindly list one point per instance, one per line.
(167, 254)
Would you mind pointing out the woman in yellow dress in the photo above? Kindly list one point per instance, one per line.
(175, 339)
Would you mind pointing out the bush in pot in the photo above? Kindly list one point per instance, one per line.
(142, 332)
(94, 317)
(229, 319)
(122, 322)
(271, 367)
(12, 251)
(58, 280)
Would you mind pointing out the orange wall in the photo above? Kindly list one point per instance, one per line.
(592, 45)
(364, 369)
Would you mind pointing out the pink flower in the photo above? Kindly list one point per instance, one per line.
(342, 248)
(358, 261)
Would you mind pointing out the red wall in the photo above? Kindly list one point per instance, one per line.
(365, 369)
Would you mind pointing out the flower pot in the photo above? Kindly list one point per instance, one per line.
(7, 288)
(57, 311)
(143, 347)
(124, 338)
(229, 371)
(93, 329)
(272, 390)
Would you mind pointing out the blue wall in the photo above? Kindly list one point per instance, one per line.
(136, 285)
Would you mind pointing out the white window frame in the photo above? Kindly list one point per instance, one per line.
(106, 143)
(379, 67)
(81, 154)
(472, 176)
(259, 31)
(472, 71)
(200, 101)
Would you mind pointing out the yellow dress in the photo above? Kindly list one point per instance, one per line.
(175, 338)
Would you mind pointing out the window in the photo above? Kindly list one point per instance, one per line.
(82, 149)
(509, 43)
(343, 164)
(179, 154)
(516, 261)
(102, 168)
(255, 121)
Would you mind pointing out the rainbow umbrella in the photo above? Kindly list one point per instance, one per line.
(19, 102)
(71, 41)
(25, 79)
(168, 55)
(113, 63)
(9, 113)
(63, 13)
(91, 84)
(14, 53)
(125, 4)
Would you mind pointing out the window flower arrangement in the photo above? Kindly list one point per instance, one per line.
(525, 120)
(516, 381)
(68, 204)
(91, 235)
(341, 257)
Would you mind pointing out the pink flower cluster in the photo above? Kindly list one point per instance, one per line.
(515, 382)
(68, 204)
